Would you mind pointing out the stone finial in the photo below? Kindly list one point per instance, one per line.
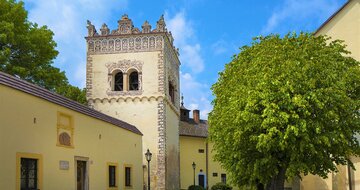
(125, 25)
(104, 30)
(125, 17)
(91, 29)
(160, 25)
(146, 27)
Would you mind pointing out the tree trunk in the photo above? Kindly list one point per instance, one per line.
(277, 182)
(259, 186)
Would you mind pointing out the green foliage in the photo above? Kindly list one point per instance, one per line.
(286, 105)
(195, 187)
(27, 50)
(73, 93)
(221, 186)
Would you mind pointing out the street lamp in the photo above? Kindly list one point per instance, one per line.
(148, 159)
(194, 166)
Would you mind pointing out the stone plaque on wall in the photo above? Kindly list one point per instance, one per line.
(64, 165)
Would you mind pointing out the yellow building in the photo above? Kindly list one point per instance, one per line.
(344, 24)
(50, 142)
(194, 149)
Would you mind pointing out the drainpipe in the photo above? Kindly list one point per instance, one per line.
(207, 166)
(349, 177)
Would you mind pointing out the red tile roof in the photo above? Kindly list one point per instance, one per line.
(192, 129)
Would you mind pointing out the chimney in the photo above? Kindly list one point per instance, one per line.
(196, 116)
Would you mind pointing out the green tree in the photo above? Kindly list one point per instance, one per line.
(27, 50)
(73, 93)
(284, 107)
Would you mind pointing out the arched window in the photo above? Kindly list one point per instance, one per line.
(134, 81)
(118, 82)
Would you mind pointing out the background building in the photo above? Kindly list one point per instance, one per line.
(194, 148)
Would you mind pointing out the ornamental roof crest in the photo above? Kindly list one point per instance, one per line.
(125, 26)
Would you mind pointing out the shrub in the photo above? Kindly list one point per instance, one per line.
(195, 187)
(221, 186)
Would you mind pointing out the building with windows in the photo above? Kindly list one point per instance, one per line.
(50, 142)
(196, 157)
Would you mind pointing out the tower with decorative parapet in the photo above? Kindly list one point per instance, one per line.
(133, 75)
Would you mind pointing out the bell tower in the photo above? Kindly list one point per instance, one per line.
(133, 75)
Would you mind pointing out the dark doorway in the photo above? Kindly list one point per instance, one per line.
(81, 175)
(202, 180)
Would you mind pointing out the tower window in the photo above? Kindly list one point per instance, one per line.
(119, 85)
(134, 81)
(172, 93)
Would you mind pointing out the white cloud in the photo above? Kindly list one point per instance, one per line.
(219, 47)
(185, 40)
(80, 74)
(67, 19)
(192, 58)
(295, 11)
(196, 94)
(180, 28)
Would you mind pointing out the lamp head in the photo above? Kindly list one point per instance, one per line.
(148, 155)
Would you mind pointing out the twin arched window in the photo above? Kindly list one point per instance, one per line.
(131, 85)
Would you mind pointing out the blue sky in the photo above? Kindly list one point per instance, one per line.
(208, 33)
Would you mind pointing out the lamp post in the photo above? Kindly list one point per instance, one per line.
(194, 166)
(148, 159)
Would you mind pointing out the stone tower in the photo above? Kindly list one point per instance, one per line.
(133, 75)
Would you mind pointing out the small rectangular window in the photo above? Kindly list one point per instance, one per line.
(215, 174)
(223, 178)
(201, 151)
(127, 176)
(112, 176)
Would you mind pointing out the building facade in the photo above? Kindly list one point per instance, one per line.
(133, 75)
(50, 142)
(195, 149)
